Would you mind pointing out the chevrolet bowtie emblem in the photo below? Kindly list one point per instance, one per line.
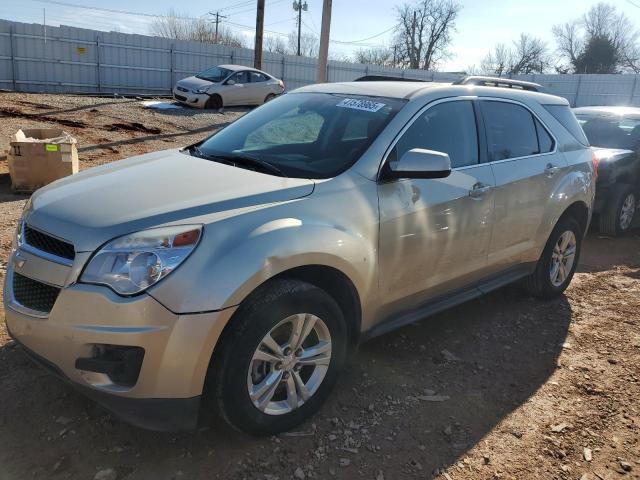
(18, 260)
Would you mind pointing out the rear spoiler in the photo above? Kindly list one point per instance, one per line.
(500, 82)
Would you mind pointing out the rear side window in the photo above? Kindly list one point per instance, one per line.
(511, 131)
(257, 77)
(564, 115)
(448, 127)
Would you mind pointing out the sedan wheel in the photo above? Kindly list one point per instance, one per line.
(290, 364)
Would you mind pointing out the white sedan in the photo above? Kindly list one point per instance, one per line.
(227, 85)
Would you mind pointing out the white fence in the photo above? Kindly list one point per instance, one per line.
(69, 59)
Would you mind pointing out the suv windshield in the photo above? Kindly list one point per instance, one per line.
(306, 135)
(214, 74)
(611, 131)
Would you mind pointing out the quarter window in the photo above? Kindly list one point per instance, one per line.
(511, 131)
(545, 142)
(448, 127)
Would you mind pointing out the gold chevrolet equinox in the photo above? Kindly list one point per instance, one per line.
(237, 274)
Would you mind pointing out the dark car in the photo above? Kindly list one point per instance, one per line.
(614, 132)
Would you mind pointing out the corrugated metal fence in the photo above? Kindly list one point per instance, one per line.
(69, 59)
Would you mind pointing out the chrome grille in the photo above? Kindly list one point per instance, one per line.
(33, 294)
(48, 244)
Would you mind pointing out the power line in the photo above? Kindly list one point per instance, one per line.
(108, 10)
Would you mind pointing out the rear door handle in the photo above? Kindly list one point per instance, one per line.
(551, 170)
(478, 190)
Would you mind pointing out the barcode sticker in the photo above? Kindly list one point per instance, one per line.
(357, 104)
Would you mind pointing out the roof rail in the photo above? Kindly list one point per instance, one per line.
(500, 82)
(387, 78)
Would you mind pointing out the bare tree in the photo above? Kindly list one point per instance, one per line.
(309, 44)
(424, 32)
(275, 44)
(180, 27)
(375, 56)
(602, 24)
(527, 55)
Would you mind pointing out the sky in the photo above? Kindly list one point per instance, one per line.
(481, 23)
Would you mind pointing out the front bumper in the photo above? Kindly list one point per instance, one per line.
(197, 100)
(177, 348)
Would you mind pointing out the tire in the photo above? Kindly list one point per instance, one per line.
(616, 219)
(214, 102)
(269, 97)
(234, 369)
(540, 283)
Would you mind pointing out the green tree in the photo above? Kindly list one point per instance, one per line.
(599, 55)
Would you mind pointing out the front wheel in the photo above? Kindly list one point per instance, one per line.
(617, 217)
(214, 102)
(558, 261)
(280, 358)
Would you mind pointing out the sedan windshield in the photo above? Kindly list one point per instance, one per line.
(611, 131)
(214, 74)
(305, 135)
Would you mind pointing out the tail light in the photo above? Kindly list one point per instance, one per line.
(281, 83)
(595, 162)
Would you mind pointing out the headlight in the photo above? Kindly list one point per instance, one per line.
(200, 90)
(133, 263)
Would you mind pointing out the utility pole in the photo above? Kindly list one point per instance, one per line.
(217, 21)
(257, 59)
(299, 7)
(321, 75)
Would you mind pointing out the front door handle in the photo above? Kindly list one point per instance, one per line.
(478, 190)
(551, 170)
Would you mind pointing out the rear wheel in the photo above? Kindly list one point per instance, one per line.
(558, 261)
(214, 102)
(280, 357)
(269, 97)
(617, 217)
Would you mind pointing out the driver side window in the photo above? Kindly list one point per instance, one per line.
(448, 127)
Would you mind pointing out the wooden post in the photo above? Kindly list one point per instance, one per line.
(321, 75)
(257, 59)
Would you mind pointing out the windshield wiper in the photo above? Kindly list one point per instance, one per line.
(255, 162)
(236, 160)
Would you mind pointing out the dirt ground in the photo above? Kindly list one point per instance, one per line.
(524, 389)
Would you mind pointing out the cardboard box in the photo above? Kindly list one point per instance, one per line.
(39, 156)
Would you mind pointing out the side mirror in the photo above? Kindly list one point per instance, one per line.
(231, 81)
(420, 163)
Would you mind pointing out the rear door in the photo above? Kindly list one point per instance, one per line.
(238, 93)
(527, 168)
(258, 88)
(435, 233)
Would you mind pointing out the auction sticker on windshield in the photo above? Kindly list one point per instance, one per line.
(356, 104)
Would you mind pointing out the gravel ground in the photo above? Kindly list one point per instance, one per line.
(504, 387)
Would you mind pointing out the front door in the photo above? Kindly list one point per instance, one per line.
(435, 233)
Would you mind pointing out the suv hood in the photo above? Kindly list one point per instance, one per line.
(194, 83)
(101, 203)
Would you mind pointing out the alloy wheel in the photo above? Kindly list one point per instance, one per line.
(563, 258)
(289, 364)
(627, 211)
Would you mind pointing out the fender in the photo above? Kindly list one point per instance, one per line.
(223, 278)
(578, 185)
